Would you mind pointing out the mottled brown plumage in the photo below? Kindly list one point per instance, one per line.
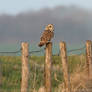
(47, 35)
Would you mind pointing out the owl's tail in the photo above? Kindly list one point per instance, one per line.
(41, 44)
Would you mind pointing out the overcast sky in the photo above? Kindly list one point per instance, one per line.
(16, 6)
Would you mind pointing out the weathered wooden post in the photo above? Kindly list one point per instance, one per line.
(48, 57)
(89, 57)
(63, 54)
(0, 76)
(25, 70)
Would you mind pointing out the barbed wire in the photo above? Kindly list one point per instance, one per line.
(18, 51)
(11, 51)
(57, 54)
(76, 54)
(6, 53)
(73, 50)
(41, 50)
(36, 51)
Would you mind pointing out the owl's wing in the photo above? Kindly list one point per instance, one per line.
(47, 35)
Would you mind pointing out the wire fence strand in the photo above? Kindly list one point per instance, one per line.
(42, 50)
(36, 66)
(78, 51)
(72, 50)
(36, 51)
(10, 52)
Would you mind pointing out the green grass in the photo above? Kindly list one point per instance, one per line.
(11, 72)
(10, 67)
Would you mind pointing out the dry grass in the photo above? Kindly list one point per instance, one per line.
(78, 82)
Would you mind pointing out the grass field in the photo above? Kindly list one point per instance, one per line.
(10, 68)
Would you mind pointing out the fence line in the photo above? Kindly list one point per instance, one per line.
(72, 50)
(48, 66)
(10, 51)
(41, 50)
(62, 52)
(36, 51)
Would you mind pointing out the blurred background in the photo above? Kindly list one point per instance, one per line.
(25, 20)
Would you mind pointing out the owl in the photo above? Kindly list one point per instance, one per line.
(47, 35)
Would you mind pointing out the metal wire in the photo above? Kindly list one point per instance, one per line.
(36, 51)
(42, 50)
(73, 50)
(57, 54)
(8, 53)
(11, 51)
(75, 54)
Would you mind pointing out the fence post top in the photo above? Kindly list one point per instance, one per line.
(49, 43)
(62, 42)
(22, 43)
(88, 41)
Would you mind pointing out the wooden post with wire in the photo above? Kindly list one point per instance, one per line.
(25, 70)
(48, 57)
(63, 54)
(89, 58)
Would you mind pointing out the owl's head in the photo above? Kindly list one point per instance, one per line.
(50, 27)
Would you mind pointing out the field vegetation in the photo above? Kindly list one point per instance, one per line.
(10, 71)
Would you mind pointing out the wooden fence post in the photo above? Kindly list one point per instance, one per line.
(89, 58)
(63, 54)
(25, 70)
(48, 62)
(1, 76)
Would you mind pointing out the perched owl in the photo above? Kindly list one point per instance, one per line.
(47, 35)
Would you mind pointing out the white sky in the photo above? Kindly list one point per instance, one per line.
(16, 6)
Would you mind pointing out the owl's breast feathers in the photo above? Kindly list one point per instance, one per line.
(46, 37)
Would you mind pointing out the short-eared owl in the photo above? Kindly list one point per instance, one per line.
(47, 35)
